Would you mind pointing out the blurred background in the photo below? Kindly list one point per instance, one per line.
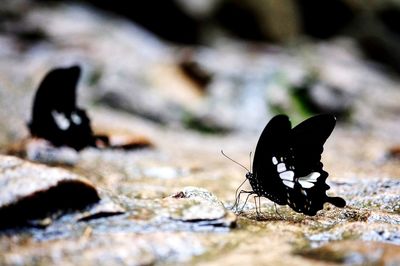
(211, 66)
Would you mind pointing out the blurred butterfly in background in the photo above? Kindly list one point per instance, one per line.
(287, 166)
(55, 116)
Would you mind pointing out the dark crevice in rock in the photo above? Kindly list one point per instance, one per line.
(171, 24)
(196, 73)
(118, 102)
(390, 17)
(66, 196)
(324, 19)
(381, 48)
(240, 20)
(99, 215)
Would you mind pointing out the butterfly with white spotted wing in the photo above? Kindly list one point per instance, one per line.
(55, 115)
(287, 166)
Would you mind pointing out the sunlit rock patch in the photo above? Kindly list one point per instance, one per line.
(99, 249)
(355, 252)
(373, 194)
(200, 207)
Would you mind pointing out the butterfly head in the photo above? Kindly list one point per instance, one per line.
(253, 181)
(249, 175)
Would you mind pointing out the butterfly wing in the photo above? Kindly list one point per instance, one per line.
(57, 91)
(271, 148)
(307, 140)
(308, 194)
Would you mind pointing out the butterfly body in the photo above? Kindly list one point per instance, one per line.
(287, 167)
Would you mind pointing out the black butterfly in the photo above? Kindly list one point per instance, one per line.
(55, 116)
(287, 167)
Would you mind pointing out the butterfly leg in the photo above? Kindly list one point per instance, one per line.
(276, 210)
(236, 205)
(237, 196)
(247, 198)
(258, 208)
(237, 200)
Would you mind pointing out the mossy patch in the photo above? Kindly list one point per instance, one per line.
(203, 125)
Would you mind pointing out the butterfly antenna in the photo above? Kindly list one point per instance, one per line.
(251, 166)
(234, 161)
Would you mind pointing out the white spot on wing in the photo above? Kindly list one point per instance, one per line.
(311, 177)
(76, 119)
(281, 167)
(309, 180)
(288, 183)
(60, 119)
(288, 175)
(274, 160)
(306, 184)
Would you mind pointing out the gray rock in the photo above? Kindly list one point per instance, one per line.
(42, 151)
(29, 191)
(199, 206)
(104, 208)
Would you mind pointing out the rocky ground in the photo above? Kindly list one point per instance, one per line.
(170, 203)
